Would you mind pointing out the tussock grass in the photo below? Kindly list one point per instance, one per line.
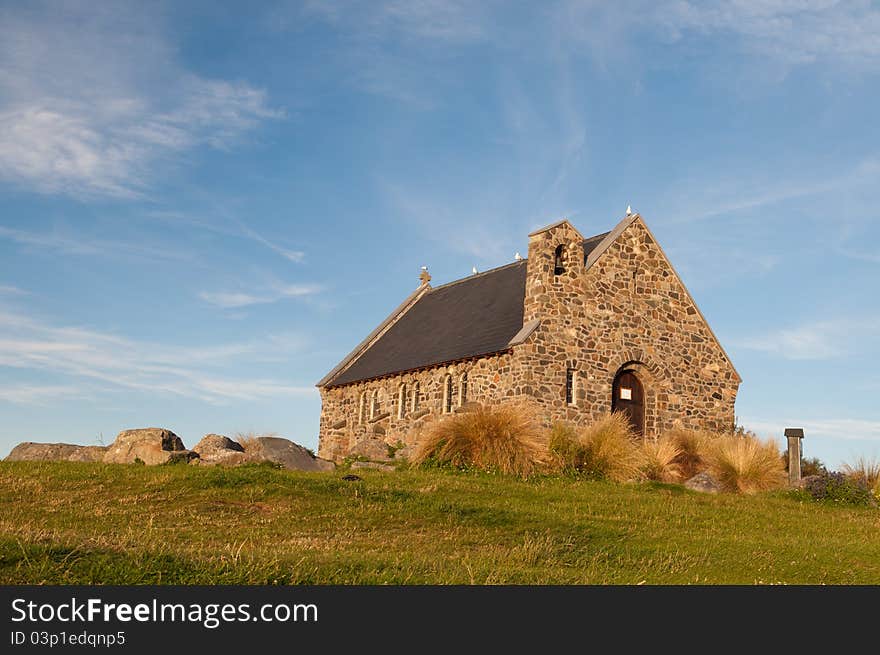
(745, 464)
(692, 445)
(865, 471)
(506, 439)
(660, 460)
(605, 450)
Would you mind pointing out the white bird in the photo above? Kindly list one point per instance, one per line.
(518, 257)
(424, 268)
(474, 270)
(629, 210)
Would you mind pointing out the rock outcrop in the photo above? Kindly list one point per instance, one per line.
(286, 453)
(149, 445)
(217, 449)
(703, 482)
(29, 451)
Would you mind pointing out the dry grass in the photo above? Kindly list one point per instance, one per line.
(660, 460)
(607, 449)
(248, 440)
(866, 471)
(745, 464)
(505, 439)
(692, 446)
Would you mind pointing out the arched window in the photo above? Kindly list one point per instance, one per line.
(559, 260)
(401, 401)
(462, 390)
(374, 404)
(447, 394)
(362, 407)
(415, 397)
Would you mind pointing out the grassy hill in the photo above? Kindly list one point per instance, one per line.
(126, 524)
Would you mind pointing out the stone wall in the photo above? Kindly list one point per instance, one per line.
(628, 310)
(347, 429)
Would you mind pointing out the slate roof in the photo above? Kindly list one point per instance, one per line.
(476, 315)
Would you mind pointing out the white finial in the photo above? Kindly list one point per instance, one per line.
(629, 210)
(518, 257)
(474, 270)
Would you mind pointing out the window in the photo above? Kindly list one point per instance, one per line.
(362, 407)
(401, 401)
(374, 404)
(447, 394)
(559, 260)
(570, 386)
(415, 397)
(462, 390)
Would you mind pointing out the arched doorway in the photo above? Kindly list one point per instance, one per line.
(628, 396)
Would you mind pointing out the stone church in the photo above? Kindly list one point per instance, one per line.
(580, 327)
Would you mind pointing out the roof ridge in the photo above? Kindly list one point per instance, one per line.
(476, 275)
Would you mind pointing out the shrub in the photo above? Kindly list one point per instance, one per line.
(567, 453)
(504, 439)
(660, 460)
(812, 466)
(838, 488)
(865, 471)
(745, 464)
(607, 449)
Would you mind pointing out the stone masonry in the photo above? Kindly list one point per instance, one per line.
(621, 308)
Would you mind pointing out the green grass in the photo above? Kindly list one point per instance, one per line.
(78, 523)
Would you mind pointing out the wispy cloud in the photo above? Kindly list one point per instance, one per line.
(71, 243)
(236, 299)
(90, 110)
(8, 290)
(103, 361)
(834, 428)
(290, 255)
(30, 394)
(802, 32)
(819, 340)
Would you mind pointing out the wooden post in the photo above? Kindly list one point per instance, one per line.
(795, 437)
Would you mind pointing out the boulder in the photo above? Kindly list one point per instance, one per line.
(703, 482)
(55, 452)
(217, 449)
(149, 445)
(372, 449)
(286, 453)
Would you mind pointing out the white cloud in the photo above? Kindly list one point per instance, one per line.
(235, 299)
(8, 290)
(29, 394)
(93, 100)
(104, 361)
(819, 340)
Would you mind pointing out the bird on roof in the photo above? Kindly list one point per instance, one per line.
(474, 270)
(518, 257)
(629, 210)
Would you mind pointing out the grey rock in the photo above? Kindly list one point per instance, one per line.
(151, 446)
(29, 451)
(371, 448)
(703, 482)
(286, 453)
(217, 449)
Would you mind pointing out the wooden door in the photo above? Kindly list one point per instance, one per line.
(628, 397)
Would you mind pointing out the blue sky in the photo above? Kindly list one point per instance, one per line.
(204, 206)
